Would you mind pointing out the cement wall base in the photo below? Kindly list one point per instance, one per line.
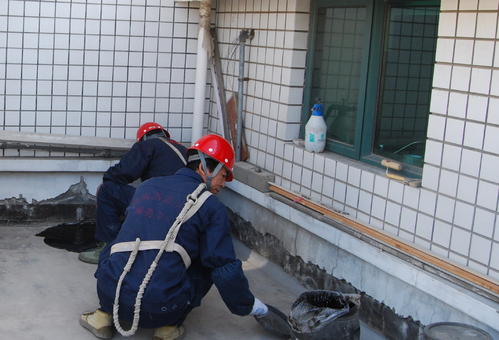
(319, 264)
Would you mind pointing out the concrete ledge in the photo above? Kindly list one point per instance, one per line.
(34, 165)
(253, 176)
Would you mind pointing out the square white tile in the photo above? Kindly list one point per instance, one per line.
(480, 80)
(436, 127)
(451, 157)
(483, 223)
(442, 75)
(328, 186)
(448, 182)
(352, 196)
(463, 52)
(365, 199)
(339, 191)
(487, 195)
(441, 233)
(408, 220)
(447, 24)
(457, 104)
(433, 152)
(460, 241)
(460, 78)
(378, 207)
(467, 189)
(445, 208)
(431, 176)
(392, 213)
(463, 215)
(381, 185)
(454, 130)
(354, 175)
(491, 142)
(489, 168)
(480, 249)
(483, 53)
(486, 25)
(470, 162)
(444, 52)
(466, 25)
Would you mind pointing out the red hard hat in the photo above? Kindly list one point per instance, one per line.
(150, 126)
(218, 148)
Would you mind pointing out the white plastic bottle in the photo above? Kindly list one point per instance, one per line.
(315, 130)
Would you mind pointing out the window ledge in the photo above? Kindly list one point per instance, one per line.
(361, 165)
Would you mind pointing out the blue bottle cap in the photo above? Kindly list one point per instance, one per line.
(317, 110)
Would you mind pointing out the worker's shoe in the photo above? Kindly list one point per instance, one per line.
(99, 323)
(92, 255)
(168, 333)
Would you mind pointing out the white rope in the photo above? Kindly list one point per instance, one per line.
(190, 201)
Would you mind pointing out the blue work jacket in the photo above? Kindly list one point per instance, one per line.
(205, 236)
(146, 159)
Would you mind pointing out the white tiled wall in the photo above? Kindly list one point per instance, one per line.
(97, 67)
(102, 67)
(455, 212)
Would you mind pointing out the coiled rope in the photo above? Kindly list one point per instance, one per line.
(190, 201)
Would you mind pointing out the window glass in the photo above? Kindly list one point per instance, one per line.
(337, 68)
(407, 70)
(371, 64)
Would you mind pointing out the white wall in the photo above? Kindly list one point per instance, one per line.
(455, 212)
(96, 68)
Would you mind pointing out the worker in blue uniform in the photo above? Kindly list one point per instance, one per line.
(154, 154)
(173, 245)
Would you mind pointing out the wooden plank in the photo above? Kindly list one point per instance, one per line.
(218, 84)
(232, 115)
(409, 249)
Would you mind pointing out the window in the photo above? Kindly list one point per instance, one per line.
(371, 63)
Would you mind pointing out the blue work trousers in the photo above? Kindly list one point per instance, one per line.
(112, 201)
(200, 279)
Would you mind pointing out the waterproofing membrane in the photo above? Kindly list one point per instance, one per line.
(75, 237)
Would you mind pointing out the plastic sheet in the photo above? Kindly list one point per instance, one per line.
(75, 237)
(314, 310)
(324, 314)
(275, 322)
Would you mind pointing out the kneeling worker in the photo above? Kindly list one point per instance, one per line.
(173, 245)
(154, 154)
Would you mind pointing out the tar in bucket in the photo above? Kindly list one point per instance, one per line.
(324, 314)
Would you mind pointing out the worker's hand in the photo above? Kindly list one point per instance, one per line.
(259, 308)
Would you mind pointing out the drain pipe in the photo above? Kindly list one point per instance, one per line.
(204, 48)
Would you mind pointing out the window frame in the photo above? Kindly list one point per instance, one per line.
(370, 79)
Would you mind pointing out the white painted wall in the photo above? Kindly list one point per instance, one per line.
(40, 179)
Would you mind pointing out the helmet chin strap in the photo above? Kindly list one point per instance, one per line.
(209, 177)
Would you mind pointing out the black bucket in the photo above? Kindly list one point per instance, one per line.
(324, 315)
(454, 331)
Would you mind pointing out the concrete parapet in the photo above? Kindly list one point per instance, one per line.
(253, 176)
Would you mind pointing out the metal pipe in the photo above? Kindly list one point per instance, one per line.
(203, 49)
(239, 127)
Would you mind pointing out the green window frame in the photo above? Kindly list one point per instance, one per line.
(360, 58)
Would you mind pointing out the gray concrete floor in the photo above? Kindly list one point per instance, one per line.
(43, 291)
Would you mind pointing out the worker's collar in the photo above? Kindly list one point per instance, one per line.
(189, 173)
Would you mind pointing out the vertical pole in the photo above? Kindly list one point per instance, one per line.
(201, 69)
(242, 40)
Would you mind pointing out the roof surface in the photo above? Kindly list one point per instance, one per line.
(44, 290)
